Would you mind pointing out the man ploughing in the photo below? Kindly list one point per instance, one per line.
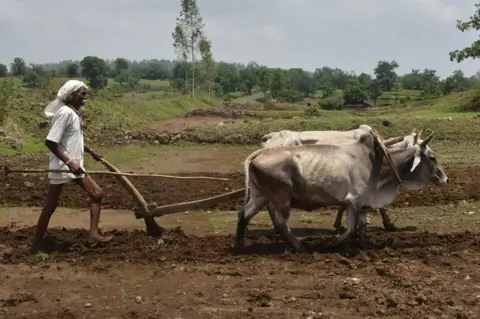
(66, 143)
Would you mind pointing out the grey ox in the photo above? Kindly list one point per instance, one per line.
(348, 174)
(291, 138)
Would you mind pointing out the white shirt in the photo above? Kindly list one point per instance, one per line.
(67, 132)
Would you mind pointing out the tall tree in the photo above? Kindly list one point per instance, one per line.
(188, 32)
(180, 44)
(207, 70)
(3, 70)
(96, 71)
(18, 67)
(472, 51)
(72, 70)
(386, 75)
(121, 64)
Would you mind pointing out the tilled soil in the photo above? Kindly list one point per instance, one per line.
(422, 274)
(409, 275)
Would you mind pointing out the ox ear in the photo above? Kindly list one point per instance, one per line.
(416, 161)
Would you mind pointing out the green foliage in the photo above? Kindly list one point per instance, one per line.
(3, 70)
(331, 105)
(7, 94)
(386, 75)
(18, 67)
(121, 65)
(327, 89)
(278, 82)
(472, 51)
(354, 93)
(312, 110)
(187, 35)
(128, 79)
(96, 72)
(37, 77)
(72, 69)
(207, 67)
(290, 95)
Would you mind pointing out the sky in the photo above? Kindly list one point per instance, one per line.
(349, 34)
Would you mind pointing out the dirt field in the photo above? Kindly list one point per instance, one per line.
(428, 269)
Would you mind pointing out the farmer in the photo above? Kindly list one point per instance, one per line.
(65, 141)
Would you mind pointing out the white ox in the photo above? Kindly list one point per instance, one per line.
(292, 138)
(312, 176)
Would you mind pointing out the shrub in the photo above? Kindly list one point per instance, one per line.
(312, 110)
(331, 105)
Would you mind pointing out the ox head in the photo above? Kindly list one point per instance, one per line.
(425, 169)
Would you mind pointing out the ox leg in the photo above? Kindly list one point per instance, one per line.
(271, 212)
(281, 217)
(338, 220)
(352, 221)
(361, 228)
(251, 208)
(386, 220)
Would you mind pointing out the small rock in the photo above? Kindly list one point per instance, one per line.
(351, 280)
(161, 242)
(470, 213)
(138, 299)
(293, 299)
(17, 145)
(421, 299)
(221, 124)
(466, 277)
(28, 184)
(88, 305)
(162, 138)
(156, 142)
(381, 312)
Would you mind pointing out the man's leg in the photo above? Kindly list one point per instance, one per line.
(51, 202)
(96, 194)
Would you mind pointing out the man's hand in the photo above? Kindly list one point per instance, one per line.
(75, 168)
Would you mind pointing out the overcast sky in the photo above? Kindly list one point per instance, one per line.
(350, 34)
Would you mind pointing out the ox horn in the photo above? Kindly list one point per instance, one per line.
(419, 134)
(393, 140)
(427, 140)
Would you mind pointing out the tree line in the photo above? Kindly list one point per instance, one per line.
(195, 69)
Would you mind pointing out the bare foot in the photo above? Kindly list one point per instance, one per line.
(97, 238)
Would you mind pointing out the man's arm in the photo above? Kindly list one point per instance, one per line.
(57, 151)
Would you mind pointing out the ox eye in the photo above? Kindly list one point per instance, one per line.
(433, 158)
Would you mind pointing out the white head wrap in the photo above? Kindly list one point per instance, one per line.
(67, 89)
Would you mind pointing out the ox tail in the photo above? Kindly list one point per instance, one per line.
(246, 167)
